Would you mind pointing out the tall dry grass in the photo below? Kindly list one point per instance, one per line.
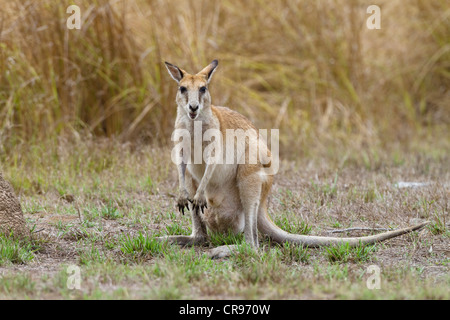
(310, 68)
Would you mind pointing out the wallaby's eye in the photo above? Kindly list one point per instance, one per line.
(183, 89)
(202, 89)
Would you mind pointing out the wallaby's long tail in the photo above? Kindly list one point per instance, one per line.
(267, 227)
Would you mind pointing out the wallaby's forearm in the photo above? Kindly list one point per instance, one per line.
(181, 178)
(183, 195)
(205, 179)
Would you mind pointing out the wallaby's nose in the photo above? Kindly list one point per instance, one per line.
(192, 108)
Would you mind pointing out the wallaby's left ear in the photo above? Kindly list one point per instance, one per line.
(176, 73)
(209, 70)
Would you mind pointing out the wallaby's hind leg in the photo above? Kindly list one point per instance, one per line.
(262, 210)
(199, 233)
(250, 184)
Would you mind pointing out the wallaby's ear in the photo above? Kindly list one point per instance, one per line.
(176, 73)
(209, 70)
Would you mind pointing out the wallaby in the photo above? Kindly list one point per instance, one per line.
(232, 196)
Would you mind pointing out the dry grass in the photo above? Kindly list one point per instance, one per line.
(86, 117)
(310, 68)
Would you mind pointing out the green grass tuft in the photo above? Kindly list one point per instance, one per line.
(141, 246)
(295, 253)
(110, 212)
(343, 253)
(15, 251)
(220, 239)
(296, 227)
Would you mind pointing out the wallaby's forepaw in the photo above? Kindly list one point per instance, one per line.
(183, 203)
(199, 203)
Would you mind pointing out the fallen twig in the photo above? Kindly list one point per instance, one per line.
(358, 229)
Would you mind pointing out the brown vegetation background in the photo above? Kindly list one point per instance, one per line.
(310, 68)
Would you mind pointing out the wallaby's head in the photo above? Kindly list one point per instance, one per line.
(193, 94)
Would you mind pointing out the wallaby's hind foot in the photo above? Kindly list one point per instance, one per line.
(222, 251)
